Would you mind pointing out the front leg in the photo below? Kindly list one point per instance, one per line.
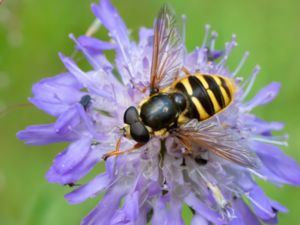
(117, 151)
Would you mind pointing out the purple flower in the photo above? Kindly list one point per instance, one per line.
(154, 182)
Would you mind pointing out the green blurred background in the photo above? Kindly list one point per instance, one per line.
(31, 34)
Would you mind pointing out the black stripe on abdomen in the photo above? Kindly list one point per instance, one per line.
(201, 94)
(224, 85)
(214, 87)
(192, 110)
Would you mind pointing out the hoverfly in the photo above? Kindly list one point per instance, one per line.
(174, 102)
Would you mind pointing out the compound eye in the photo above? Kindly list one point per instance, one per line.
(131, 115)
(179, 100)
(139, 133)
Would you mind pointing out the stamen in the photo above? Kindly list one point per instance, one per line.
(270, 141)
(115, 180)
(218, 196)
(96, 24)
(206, 33)
(205, 58)
(241, 64)
(144, 197)
(229, 47)
(224, 206)
(258, 174)
(201, 174)
(251, 81)
(222, 63)
(199, 60)
(213, 39)
(228, 213)
(114, 92)
(283, 137)
(125, 57)
(131, 81)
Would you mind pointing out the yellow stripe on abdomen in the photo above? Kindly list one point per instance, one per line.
(216, 105)
(203, 114)
(187, 86)
(225, 96)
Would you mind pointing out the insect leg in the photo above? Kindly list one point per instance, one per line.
(117, 151)
(113, 152)
(142, 89)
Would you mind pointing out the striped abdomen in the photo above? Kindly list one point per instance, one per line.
(207, 94)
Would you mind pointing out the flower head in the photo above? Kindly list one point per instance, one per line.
(228, 151)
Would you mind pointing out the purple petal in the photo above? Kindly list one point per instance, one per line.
(119, 218)
(89, 190)
(55, 95)
(142, 217)
(78, 171)
(90, 57)
(110, 18)
(61, 80)
(278, 163)
(244, 215)
(97, 65)
(270, 176)
(217, 54)
(67, 121)
(175, 211)
(264, 96)
(146, 38)
(94, 44)
(94, 47)
(271, 221)
(110, 165)
(70, 119)
(42, 135)
(199, 220)
(260, 126)
(87, 120)
(72, 156)
(159, 212)
(200, 208)
(90, 82)
(261, 204)
(105, 210)
(132, 205)
(168, 215)
(276, 207)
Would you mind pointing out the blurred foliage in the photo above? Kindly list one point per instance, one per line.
(31, 34)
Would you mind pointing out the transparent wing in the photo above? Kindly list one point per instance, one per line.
(212, 137)
(168, 50)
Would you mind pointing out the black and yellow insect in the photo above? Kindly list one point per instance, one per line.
(174, 101)
(197, 96)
